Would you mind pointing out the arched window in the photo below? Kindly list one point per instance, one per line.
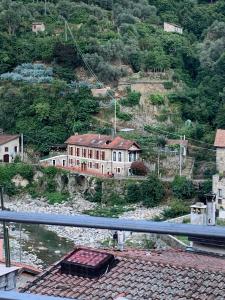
(119, 156)
(114, 156)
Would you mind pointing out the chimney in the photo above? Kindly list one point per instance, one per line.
(121, 240)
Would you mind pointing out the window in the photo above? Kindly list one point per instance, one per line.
(84, 153)
(78, 162)
(135, 156)
(53, 162)
(97, 154)
(15, 149)
(64, 162)
(219, 201)
(6, 149)
(130, 156)
(71, 150)
(90, 165)
(90, 153)
(114, 156)
(96, 166)
(119, 156)
(103, 155)
(118, 170)
(220, 194)
(78, 151)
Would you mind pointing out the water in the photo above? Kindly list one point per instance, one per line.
(45, 244)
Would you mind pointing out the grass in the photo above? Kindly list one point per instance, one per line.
(108, 211)
(183, 239)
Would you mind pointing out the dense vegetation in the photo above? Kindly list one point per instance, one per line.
(108, 36)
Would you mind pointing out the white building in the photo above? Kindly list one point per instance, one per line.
(38, 27)
(10, 147)
(170, 27)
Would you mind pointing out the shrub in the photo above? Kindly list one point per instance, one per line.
(25, 170)
(177, 208)
(56, 197)
(139, 168)
(168, 85)
(132, 99)
(50, 171)
(182, 187)
(124, 116)
(156, 99)
(151, 191)
(133, 193)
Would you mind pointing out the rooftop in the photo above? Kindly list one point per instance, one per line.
(137, 274)
(5, 138)
(220, 138)
(101, 141)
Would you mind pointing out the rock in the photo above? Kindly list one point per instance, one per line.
(19, 181)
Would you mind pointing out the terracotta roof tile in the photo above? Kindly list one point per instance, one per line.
(5, 138)
(220, 138)
(169, 274)
(101, 141)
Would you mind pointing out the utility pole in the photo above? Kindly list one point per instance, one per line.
(180, 160)
(115, 117)
(45, 7)
(21, 147)
(158, 164)
(66, 35)
(5, 234)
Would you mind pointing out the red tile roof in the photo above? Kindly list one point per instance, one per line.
(101, 141)
(139, 275)
(5, 138)
(220, 138)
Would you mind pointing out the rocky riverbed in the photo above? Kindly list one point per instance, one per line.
(78, 236)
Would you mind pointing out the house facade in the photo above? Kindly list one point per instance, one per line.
(219, 143)
(10, 147)
(218, 188)
(99, 154)
(170, 27)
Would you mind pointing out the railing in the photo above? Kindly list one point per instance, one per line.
(23, 296)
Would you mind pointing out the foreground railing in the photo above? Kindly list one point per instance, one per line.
(22, 296)
(114, 224)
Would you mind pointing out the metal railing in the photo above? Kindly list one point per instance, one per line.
(114, 224)
(23, 296)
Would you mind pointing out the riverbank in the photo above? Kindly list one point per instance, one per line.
(78, 236)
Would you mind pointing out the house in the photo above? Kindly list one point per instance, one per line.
(38, 27)
(91, 274)
(218, 188)
(170, 27)
(10, 147)
(219, 143)
(173, 146)
(98, 154)
(101, 92)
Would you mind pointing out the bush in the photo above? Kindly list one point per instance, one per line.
(50, 171)
(132, 99)
(168, 85)
(133, 193)
(177, 208)
(183, 188)
(139, 168)
(56, 197)
(26, 171)
(151, 191)
(124, 116)
(156, 99)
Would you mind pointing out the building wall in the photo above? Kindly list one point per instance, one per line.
(220, 160)
(96, 160)
(172, 28)
(218, 188)
(38, 28)
(11, 150)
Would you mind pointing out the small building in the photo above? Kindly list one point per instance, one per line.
(102, 92)
(219, 143)
(218, 189)
(38, 27)
(170, 27)
(173, 146)
(199, 214)
(97, 154)
(10, 147)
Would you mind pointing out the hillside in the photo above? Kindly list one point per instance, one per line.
(94, 43)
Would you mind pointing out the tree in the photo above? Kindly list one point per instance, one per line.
(151, 191)
(139, 168)
(182, 187)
